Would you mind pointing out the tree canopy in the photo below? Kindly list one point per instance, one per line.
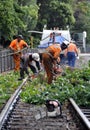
(74, 13)
(20, 16)
(55, 13)
(17, 16)
(82, 17)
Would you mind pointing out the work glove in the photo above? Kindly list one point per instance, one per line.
(78, 57)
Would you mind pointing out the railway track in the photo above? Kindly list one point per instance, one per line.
(18, 115)
(83, 113)
(10, 104)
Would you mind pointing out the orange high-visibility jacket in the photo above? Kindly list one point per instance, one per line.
(55, 50)
(15, 45)
(72, 48)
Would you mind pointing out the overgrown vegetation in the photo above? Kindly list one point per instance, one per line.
(8, 84)
(75, 84)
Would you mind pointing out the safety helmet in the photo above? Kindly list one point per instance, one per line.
(64, 45)
(35, 56)
(20, 36)
(66, 42)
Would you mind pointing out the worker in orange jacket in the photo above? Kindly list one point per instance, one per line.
(49, 58)
(71, 52)
(16, 46)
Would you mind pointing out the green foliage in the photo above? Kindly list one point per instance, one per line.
(74, 85)
(82, 16)
(55, 14)
(60, 13)
(7, 17)
(17, 17)
(63, 13)
(8, 84)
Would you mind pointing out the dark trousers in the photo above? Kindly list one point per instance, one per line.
(24, 69)
(71, 59)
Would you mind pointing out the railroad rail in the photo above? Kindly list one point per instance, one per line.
(9, 105)
(19, 115)
(83, 113)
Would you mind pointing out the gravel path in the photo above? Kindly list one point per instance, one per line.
(82, 61)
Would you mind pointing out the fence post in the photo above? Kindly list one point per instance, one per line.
(84, 40)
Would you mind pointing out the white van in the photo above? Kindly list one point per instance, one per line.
(60, 36)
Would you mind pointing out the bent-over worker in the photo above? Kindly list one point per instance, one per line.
(31, 60)
(49, 59)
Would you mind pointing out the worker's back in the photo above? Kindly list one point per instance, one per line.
(72, 47)
(54, 49)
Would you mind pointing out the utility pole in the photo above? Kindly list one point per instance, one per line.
(84, 40)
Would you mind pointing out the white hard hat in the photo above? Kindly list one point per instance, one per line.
(35, 56)
(66, 42)
(72, 41)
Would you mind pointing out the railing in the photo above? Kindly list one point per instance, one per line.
(6, 59)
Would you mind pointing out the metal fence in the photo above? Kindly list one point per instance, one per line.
(6, 59)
